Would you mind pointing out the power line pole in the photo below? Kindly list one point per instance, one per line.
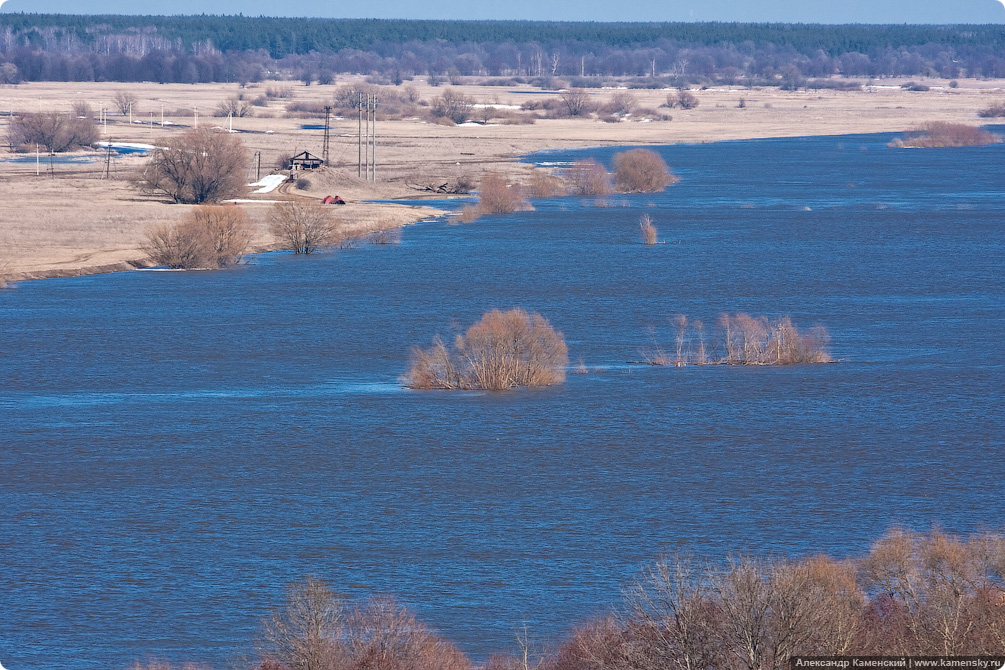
(359, 138)
(325, 144)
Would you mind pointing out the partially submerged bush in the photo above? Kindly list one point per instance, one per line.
(304, 228)
(743, 340)
(945, 134)
(647, 230)
(209, 237)
(588, 177)
(544, 185)
(641, 171)
(503, 350)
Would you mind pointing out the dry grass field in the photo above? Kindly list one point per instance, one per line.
(73, 220)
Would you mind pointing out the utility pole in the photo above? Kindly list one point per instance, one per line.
(325, 144)
(359, 138)
(374, 138)
(108, 158)
(366, 146)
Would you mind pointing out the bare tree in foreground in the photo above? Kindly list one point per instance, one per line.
(304, 228)
(318, 630)
(200, 165)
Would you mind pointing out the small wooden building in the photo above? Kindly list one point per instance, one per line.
(305, 160)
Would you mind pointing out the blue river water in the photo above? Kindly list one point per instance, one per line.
(175, 448)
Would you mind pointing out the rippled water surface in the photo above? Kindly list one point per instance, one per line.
(176, 447)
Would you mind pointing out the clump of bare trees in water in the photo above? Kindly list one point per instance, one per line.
(503, 350)
(496, 195)
(741, 339)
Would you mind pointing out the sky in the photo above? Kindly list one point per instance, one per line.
(795, 11)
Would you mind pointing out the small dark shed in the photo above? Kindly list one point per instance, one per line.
(305, 160)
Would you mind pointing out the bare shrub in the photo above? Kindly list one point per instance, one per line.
(208, 237)
(280, 92)
(55, 132)
(353, 96)
(647, 230)
(317, 629)
(233, 106)
(992, 111)
(577, 102)
(589, 178)
(304, 228)
(200, 165)
(125, 102)
(304, 634)
(945, 134)
(641, 171)
(684, 99)
(545, 185)
(503, 350)
(621, 103)
(82, 109)
(452, 105)
(496, 195)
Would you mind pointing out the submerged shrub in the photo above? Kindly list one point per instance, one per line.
(945, 134)
(641, 171)
(647, 230)
(503, 350)
(496, 195)
(209, 237)
(588, 177)
(744, 340)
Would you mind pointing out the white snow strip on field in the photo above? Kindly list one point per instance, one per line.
(268, 183)
(248, 201)
(127, 145)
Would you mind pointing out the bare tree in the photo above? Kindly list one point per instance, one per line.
(125, 101)
(452, 105)
(577, 102)
(233, 106)
(56, 132)
(305, 633)
(672, 602)
(200, 165)
(305, 228)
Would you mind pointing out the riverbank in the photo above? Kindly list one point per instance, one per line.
(71, 219)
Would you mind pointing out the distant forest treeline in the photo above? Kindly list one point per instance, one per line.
(189, 49)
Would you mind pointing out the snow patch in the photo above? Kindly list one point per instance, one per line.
(268, 183)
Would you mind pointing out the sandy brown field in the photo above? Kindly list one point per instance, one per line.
(72, 220)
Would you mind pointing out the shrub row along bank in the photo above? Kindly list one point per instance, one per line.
(635, 171)
(912, 594)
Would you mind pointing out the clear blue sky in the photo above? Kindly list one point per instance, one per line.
(805, 11)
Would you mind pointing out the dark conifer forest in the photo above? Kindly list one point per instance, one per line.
(190, 49)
